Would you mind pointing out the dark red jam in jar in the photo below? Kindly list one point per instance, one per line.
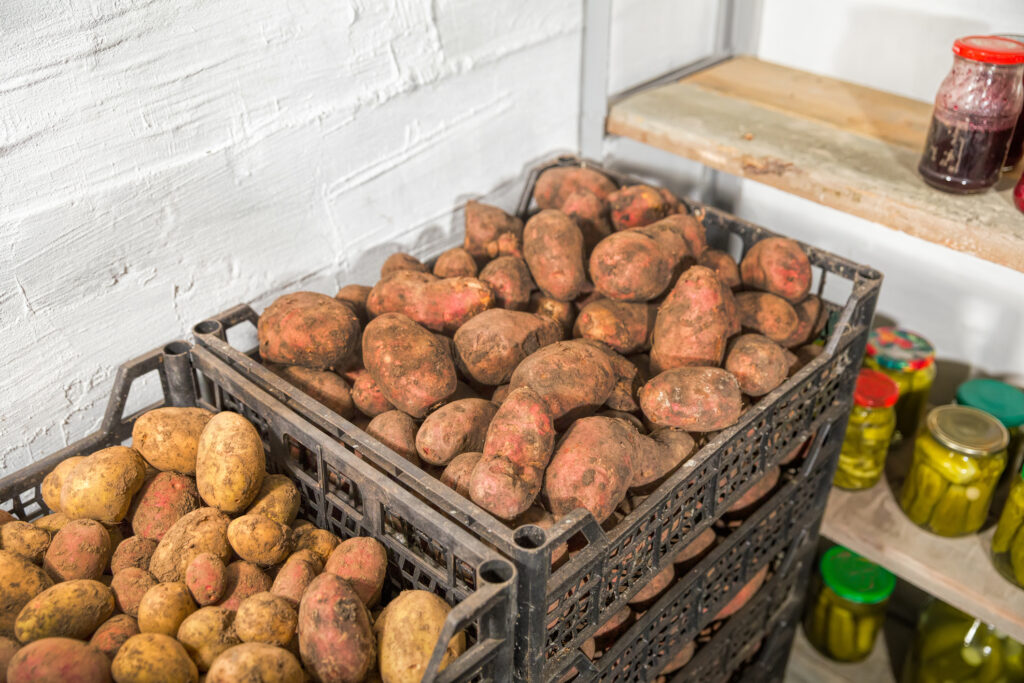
(976, 110)
(1013, 156)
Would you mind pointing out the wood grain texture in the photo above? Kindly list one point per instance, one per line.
(844, 146)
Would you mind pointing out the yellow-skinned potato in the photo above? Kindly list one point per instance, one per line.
(101, 486)
(202, 531)
(20, 581)
(407, 631)
(256, 662)
(164, 607)
(260, 540)
(266, 618)
(206, 633)
(72, 609)
(25, 539)
(313, 558)
(169, 437)
(153, 658)
(52, 522)
(320, 541)
(230, 463)
(278, 499)
(54, 481)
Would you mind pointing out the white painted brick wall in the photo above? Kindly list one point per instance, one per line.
(164, 159)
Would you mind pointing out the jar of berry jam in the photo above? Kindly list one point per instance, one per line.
(1016, 151)
(976, 110)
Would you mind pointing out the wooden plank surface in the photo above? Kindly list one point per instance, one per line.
(807, 665)
(845, 146)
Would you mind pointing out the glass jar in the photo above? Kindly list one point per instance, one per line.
(953, 646)
(1005, 403)
(1016, 151)
(869, 431)
(975, 112)
(956, 465)
(1008, 540)
(848, 609)
(909, 360)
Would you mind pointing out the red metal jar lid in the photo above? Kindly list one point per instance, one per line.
(875, 390)
(990, 49)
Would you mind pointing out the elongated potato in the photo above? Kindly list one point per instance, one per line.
(308, 329)
(25, 539)
(553, 249)
(325, 386)
(101, 486)
(363, 562)
(256, 662)
(168, 437)
(397, 431)
(556, 184)
(260, 540)
(71, 609)
(230, 464)
(335, 637)
(592, 467)
(693, 323)
(206, 578)
(459, 472)
(20, 581)
(206, 633)
(278, 499)
(777, 265)
(697, 399)
(164, 607)
(58, 660)
(624, 326)
(456, 262)
(511, 281)
(630, 266)
(407, 632)
(490, 232)
(455, 428)
(767, 314)
(153, 658)
(490, 346)
(440, 305)
(113, 633)
(161, 502)
(80, 550)
(51, 523)
(202, 531)
(519, 442)
(573, 378)
(410, 365)
(54, 481)
(292, 579)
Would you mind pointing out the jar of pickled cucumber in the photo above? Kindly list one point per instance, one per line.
(1008, 541)
(869, 431)
(953, 646)
(1003, 402)
(957, 462)
(847, 610)
(909, 359)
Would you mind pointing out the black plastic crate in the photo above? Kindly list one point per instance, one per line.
(614, 565)
(425, 550)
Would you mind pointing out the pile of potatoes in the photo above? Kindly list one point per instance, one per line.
(181, 556)
(560, 364)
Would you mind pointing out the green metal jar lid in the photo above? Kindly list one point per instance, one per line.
(853, 578)
(999, 399)
(967, 430)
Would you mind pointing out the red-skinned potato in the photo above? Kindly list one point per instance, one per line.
(354, 296)
(113, 633)
(624, 326)
(810, 317)
(242, 579)
(696, 399)
(161, 502)
(723, 265)
(456, 262)
(690, 229)
(659, 454)
(412, 368)
(206, 578)
(553, 249)
(454, 428)
(562, 312)
(55, 660)
(693, 323)
(490, 232)
(80, 550)
(133, 551)
(511, 281)
(491, 345)
(590, 213)
(335, 637)
(322, 385)
(651, 590)
(697, 547)
(756, 494)
(440, 305)
(459, 472)
(308, 329)
(367, 395)
(363, 562)
(743, 597)
(777, 265)
(630, 266)
(555, 185)
(402, 261)
(758, 363)
(768, 314)
(518, 445)
(573, 378)
(397, 431)
(637, 205)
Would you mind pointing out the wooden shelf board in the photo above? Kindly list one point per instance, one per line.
(956, 570)
(807, 665)
(845, 146)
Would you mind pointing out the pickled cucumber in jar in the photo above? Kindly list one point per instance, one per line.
(957, 463)
(952, 646)
(1008, 540)
(909, 360)
(847, 610)
(1005, 403)
(868, 432)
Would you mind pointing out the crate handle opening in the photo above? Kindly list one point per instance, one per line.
(208, 327)
(529, 536)
(496, 571)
